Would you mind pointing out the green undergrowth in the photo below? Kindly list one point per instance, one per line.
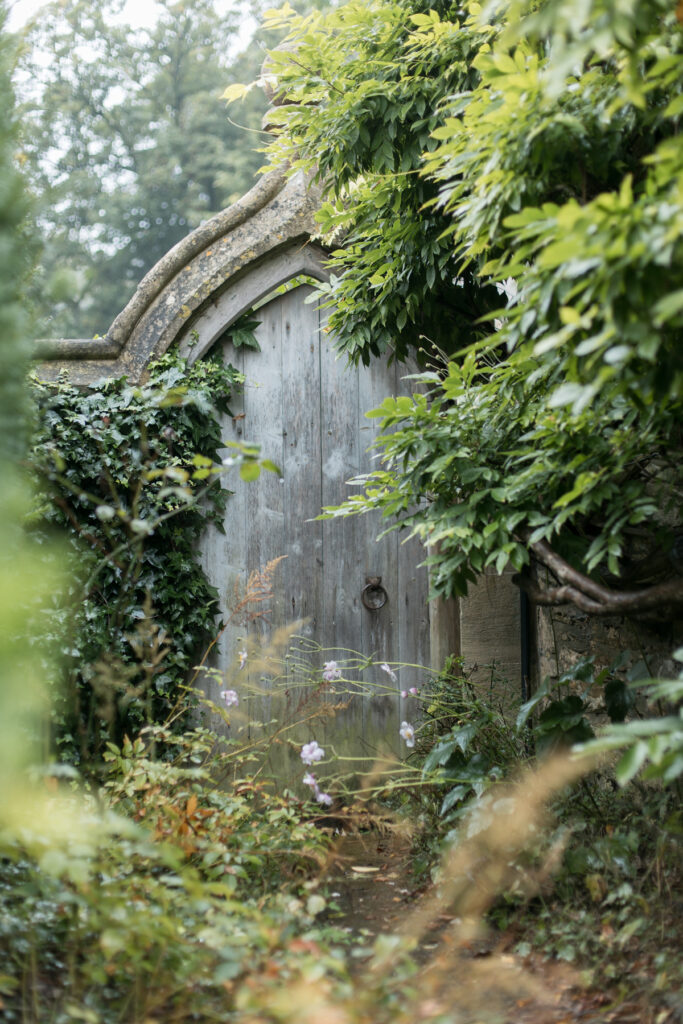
(612, 906)
(188, 889)
(599, 885)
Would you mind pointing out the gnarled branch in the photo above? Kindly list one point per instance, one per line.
(591, 597)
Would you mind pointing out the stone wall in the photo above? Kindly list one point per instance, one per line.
(565, 634)
(489, 630)
(485, 629)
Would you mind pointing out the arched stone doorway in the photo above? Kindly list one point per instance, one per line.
(305, 409)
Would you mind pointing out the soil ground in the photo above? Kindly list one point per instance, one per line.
(371, 882)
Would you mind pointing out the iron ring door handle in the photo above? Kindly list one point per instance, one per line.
(373, 595)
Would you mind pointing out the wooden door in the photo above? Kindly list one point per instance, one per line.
(306, 410)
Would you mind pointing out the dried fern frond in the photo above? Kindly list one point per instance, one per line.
(258, 590)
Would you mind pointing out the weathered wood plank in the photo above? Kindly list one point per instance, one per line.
(303, 570)
(301, 460)
(343, 543)
(379, 627)
(413, 610)
(223, 554)
(265, 533)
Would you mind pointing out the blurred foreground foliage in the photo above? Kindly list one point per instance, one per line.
(169, 887)
(24, 580)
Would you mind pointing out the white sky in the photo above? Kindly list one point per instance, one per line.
(138, 13)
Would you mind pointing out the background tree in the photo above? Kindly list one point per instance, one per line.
(128, 144)
(524, 157)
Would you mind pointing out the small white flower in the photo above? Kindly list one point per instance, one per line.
(309, 780)
(407, 732)
(390, 672)
(229, 461)
(331, 671)
(311, 752)
(242, 657)
(404, 694)
(230, 698)
(324, 798)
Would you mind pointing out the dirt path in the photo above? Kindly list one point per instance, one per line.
(371, 884)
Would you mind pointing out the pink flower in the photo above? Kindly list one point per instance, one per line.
(407, 732)
(323, 798)
(389, 671)
(311, 752)
(414, 690)
(331, 671)
(404, 694)
(309, 780)
(230, 698)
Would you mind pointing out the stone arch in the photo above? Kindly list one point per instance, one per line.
(199, 335)
(259, 242)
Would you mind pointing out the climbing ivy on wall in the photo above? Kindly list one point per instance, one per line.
(130, 474)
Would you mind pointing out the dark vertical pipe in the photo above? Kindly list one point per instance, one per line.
(525, 642)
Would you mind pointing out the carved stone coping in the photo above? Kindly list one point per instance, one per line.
(245, 290)
(201, 285)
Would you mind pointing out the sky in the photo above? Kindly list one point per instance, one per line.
(136, 13)
(139, 13)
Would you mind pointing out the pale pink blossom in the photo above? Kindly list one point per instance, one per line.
(414, 690)
(309, 780)
(323, 798)
(389, 671)
(404, 694)
(230, 697)
(407, 732)
(331, 671)
(311, 752)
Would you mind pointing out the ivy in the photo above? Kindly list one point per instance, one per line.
(129, 474)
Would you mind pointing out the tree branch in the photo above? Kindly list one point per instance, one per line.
(591, 597)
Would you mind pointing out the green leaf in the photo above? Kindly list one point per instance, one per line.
(455, 795)
(569, 315)
(675, 107)
(566, 394)
(439, 755)
(236, 91)
(250, 471)
(631, 762)
(668, 307)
